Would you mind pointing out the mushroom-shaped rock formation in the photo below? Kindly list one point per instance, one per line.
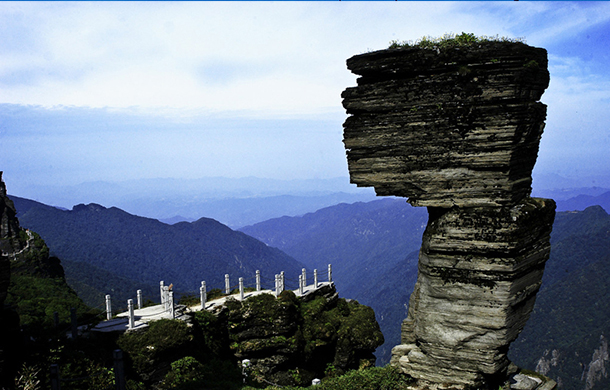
(456, 128)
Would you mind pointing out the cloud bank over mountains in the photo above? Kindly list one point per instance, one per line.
(120, 91)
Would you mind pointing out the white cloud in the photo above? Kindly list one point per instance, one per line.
(189, 60)
(153, 54)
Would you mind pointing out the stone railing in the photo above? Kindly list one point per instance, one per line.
(167, 307)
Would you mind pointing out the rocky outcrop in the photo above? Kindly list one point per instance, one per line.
(596, 370)
(479, 271)
(9, 238)
(285, 340)
(457, 129)
(11, 242)
(36, 283)
(291, 340)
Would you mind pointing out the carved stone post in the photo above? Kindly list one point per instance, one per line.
(162, 291)
(108, 308)
(241, 289)
(203, 294)
(139, 294)
(170, 304)
(132, 320)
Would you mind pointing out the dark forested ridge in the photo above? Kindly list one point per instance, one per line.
(93, 283)
(361, 240)
(571, 318)
(373, 248)
(147, 251)
(571, 313)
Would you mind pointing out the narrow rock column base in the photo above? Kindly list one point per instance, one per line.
(479, 271)
(516, 379)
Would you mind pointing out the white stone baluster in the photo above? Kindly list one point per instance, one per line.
(139, 292)
(203, 294)
(241, 289)
(301, 284)
(132, 320)
(277, 285)
(108, 308)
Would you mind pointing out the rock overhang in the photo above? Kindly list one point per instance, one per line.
(447, 127)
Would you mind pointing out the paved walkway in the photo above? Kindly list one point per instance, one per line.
(145, 315)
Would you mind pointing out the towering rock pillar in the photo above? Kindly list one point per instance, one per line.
(456, 128)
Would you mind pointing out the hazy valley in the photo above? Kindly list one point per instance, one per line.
(373, 247)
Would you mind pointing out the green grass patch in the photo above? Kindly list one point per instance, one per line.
(373, 378)
(451, 40)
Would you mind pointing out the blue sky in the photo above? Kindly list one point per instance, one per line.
(118, 90)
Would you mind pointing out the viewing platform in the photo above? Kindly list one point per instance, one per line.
(138, 318)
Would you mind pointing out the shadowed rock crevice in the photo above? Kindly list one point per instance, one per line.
(457, 129)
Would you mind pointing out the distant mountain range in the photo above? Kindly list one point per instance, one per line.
(373, 247)
(581, 202)
(239, 202)
(146, 251)
(235, 202)
(571, 318)
(361, 240)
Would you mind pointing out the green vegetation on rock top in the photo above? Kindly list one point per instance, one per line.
(451, 40)
(372, 378)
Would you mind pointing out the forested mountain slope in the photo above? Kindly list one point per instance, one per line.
(379, 269)
(361, 240)
(571, 319)
(147, 251)
(373, 248)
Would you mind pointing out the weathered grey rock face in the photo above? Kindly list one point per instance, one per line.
(479, 272)
(9, 238)
(453, 127)
(9, 320)
(457, 130)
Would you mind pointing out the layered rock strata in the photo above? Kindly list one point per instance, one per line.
(449, 127)
(479, 271)
(457, 129)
